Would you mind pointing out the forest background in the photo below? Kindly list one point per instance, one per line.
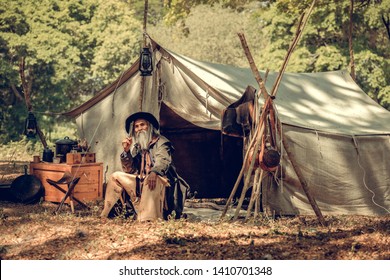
(64, 52)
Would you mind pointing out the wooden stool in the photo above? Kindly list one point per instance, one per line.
(71, 182)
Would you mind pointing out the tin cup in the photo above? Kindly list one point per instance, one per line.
(36, 159)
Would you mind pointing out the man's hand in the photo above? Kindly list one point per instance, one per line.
(151, 180)
(126, 143)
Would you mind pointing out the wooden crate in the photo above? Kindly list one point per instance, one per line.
(72, 158)
(89, 187)
(89, 157)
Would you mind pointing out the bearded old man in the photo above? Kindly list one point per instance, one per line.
(149, 176)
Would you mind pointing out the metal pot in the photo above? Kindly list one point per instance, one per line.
(64, 146)
(26, 189)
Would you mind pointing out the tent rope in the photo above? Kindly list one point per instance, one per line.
(355, 141)
(208, 112)
(82, 124)
(318, 142)
(161, 88)
(280, 148)
(113, 95)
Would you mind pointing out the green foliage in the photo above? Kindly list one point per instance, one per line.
(22, 150)
(74, 48)
(323, 63)
(179, 10)
(373, 77)
(214, 39)
(71, 49)
(324, 43)
(156, 10)
(117, 36)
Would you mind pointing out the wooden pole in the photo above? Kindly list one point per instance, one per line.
(301, 25)
(256, 139)
(146, 6)
(141, 95)
(249, 172)
(302, 180)
(252, 64)
(41, 137)
(351, 55)
(238, 180)
(258, 136)
(142, 89)
(255, 192)
(257, 198)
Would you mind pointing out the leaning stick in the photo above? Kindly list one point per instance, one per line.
(249, 173)
(255, 192)
(302, 180)
(265, 95)
(252, 64)
(252, 142)
(301, 25)
(238, 180)
(256, 139)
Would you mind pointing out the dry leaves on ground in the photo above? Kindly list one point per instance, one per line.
(34, 232)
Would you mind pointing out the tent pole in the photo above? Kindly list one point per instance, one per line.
(145, 20)
(141, 94)
(268, 101)
(352, 62)
(302, 180)
(142, 90)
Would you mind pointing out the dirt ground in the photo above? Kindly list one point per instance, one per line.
(34, 232)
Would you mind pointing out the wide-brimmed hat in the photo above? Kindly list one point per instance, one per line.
(141, 115)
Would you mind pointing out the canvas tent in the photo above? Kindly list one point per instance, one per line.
(339, 136)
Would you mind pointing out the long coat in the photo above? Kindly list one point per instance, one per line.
(160, 151)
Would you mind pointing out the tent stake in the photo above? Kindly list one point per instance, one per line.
(302, 180)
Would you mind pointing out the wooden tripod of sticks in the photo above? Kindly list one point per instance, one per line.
(259, 134)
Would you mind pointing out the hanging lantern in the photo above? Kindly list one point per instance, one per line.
(30, 126)
(145, 62)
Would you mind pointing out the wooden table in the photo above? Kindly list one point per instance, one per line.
(88, 188)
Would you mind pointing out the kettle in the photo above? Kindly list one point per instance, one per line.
(64, 146)
(48, 155)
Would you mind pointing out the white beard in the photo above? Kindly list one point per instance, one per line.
(143, 138)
